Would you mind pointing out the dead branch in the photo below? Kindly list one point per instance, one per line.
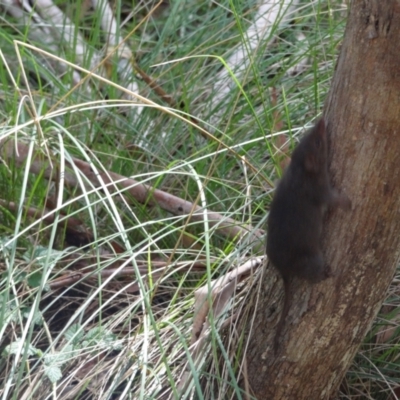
(144, 194)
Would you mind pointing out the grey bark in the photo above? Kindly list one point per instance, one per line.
(328, 321)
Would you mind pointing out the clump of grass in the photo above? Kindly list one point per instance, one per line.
(97, 287)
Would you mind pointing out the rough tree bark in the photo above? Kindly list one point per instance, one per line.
(328, 321)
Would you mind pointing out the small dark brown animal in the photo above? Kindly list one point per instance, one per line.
(296, 214)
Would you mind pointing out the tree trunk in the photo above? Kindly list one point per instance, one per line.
(328, 321)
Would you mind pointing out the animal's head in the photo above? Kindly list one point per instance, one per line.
(312, 151)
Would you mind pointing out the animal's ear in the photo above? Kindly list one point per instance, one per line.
(321, 126)
(310, 163)
(319, 133)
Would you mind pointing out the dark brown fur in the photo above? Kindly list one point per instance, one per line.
(296, 214)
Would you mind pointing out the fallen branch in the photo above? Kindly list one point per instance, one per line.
(222, 291)
(144, 194)
(144, 269)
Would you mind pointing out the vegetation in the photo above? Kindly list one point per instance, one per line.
(100, 280)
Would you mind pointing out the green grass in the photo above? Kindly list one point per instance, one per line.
(127, 336)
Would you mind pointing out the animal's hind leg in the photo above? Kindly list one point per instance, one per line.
(313, 268)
